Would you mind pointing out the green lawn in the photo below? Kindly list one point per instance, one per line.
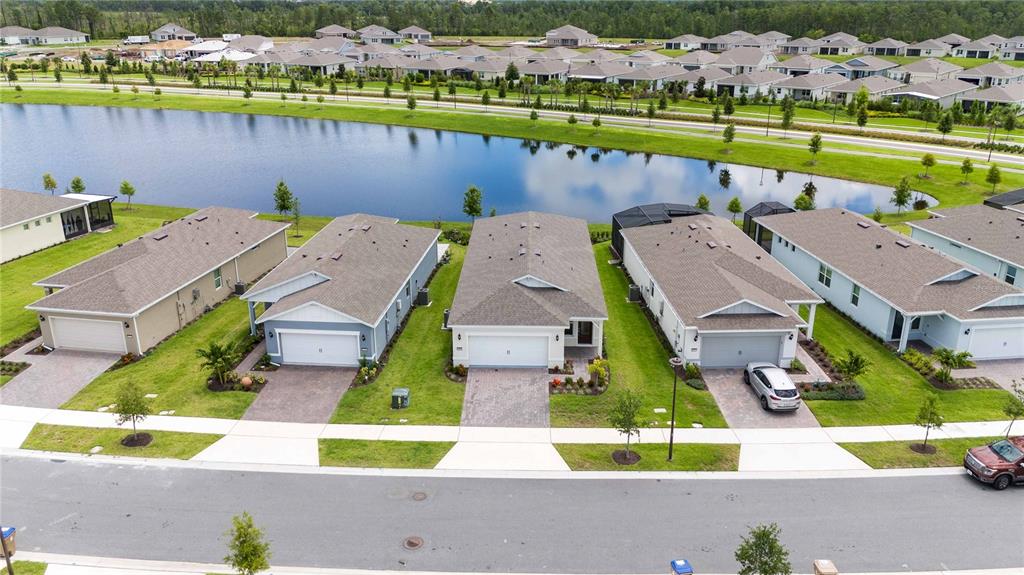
(685, 457)
(894, 391)
(173, 371)
(4, 379)
(897, 454)
(16, 277)
(417, 362)
(308, 226)
(393, 454)
(638, 361)
(26, 568)
(165, 444)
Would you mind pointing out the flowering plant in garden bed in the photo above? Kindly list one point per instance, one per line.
(456, 373)
(565, 368)
(368, 372)
(264, 364)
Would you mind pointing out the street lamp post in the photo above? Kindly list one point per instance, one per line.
(768, 124)
(676, 363)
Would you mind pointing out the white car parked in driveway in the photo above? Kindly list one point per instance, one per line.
(773, 386)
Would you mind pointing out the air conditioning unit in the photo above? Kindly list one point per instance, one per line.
(239, 288)
(634, 293)
(423, 297)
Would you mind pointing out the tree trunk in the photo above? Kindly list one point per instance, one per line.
(927, 428)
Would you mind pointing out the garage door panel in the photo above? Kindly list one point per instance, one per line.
(1005, 342)
(508, 351)
(87, 334)
(319, 348)
(738, 350)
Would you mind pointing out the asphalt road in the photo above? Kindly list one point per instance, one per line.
(506, 525)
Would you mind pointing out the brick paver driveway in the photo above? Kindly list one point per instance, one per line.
(741, 408)
(1002, 371)
(506, 398)
(301, 394)
(54, 378)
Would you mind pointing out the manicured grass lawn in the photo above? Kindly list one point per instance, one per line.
(638, 361)
(417, 361)
(26, 568)
(394, 454)
(16, 277)
(897, 454)
(165, 444)
(308, 226)
(894, 391)
(173, 371)
(685, 457)
(4, 379)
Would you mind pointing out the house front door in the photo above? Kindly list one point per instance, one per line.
(897, 326)
(586, 333)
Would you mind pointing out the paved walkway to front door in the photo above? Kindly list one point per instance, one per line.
(741, 408)
(506, 398)
(54, 378)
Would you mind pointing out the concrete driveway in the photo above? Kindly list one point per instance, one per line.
(741, 407)
(54, 378)
(1001, 371)
(301, 394)
(506, 398)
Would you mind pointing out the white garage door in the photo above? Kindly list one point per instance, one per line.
(997, 342)
(87, 334)
(508, 351)
(319, 347)
(739, 349)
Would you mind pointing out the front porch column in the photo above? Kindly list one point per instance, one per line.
(252, 317)
(599, 334)
(905, 333)
(810, 321)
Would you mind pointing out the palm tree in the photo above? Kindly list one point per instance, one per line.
(220, 359)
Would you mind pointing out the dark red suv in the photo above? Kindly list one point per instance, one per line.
(1000, 463)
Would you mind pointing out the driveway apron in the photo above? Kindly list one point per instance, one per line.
(54, 378)
(506, 398)
(300, 394)
(741, 407)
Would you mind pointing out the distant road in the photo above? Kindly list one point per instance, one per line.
(509, 525)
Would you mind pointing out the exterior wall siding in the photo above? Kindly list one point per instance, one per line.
(47, 333)
(16, 241)
(966, 254)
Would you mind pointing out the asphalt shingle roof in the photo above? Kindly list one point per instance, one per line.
(997, 232)
(17, 206)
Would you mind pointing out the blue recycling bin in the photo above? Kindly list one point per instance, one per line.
(682, 567)
(8, 536)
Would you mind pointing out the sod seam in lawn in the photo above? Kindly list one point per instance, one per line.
(897, 454)
(68, 439)
(653, 457)
(388, 454)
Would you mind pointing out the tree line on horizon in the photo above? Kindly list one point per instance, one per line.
(908, 20)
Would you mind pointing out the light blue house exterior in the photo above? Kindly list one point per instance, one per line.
(983, 237)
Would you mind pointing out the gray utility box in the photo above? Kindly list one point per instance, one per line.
(400, 398)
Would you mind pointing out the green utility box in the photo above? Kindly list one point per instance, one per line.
(399, 398)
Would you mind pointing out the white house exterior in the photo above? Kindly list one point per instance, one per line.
(800, 46)
(928, 49)
(946, 92)
(744, 60)
(876, 86)
(172, 31)
(976, 49)
(374, 34)
(886, 47)
(719, 301)
(896, 288)
(686, 42)
(807, 87)
(924, 71)
(992, 74)
(30, 222)
(569, 36)
(58, 35)
(985, 238)
(800, 65)
(529, 294)
(416, 34)
(14, 35)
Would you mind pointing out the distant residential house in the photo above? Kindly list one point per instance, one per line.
(861, 67)
(171, 31)
(886, 47)
(838, 37)
(374, 34)
(30, 222)
(800, 65)
(393, 64)
(751, 82)
(685, 42)
(982, 237)
(165, 49)
(945, 92)
(774, 39)
(1008, 96)
(807, 86)
(228, 55)
(416, 34)
(560, 54)
(992, 74)
(841, 47)
(953, 40)
(58, 35)
(419, 51)
(711, 77)
(744, 60)
(341, 297)
(597, 56)
(14, 35)
(518, 53)
(695, 60)
(324, 64)
(928, 49)
(800, 46)
(895, 288)
(334, 30)
(491, 69)
(994, 40)
(372, 51)
(132, 297)
(645, 59)
(439, 66)
(924, 71)
(976, 49)
(543, 71)
(1013, 54)
(877, 87)
(655, 76)
(473, 52)
(203, 48)
(569, 36)
(599, 72)
(724, 42)
(252, 43)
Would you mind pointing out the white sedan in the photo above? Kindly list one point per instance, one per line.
(773, 386)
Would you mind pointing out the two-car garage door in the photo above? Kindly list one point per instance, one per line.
(1006, 342)
(736, 350)
(308, 347)
(87, 334)
(508, 351)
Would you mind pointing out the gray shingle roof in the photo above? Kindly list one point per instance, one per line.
(929, 66)
(129, 278)
(600, 70)
(992, 70)
(868, 254)
(413, 30)
(996, 232)
(568, 31)
(811, 81)
(741, 57)
(930, 45)
(709, 75)
(756, 78)
(551, 248)
(937, 88)
(16, 206)
(652, 73)
(558, 53)
(545, 67)
(874, 85)
(802, 62)
(1009, 94)
(599, 55)
(867, 63)
(888, 43)
(698, 279)
(57, 32)
(375, 31)
(336, 29)
(697, 58)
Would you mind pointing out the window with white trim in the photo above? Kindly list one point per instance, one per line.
(824, 275)
(1011, 275)
(24, 226)
(218, 281)
(855, 295)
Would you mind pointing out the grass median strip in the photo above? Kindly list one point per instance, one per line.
(685, 457)
(26, 568)
(391, 454)
(897, 454)
(165, 444)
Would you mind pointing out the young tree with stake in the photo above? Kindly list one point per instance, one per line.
(815, 147)
(734, 207)
(928, 161)
(624, 417)
(901, 195)
(728, 135)
(127, 190)
(929, 418)
(994, 177)
(966, 168)
(49, 184)
(131, 407)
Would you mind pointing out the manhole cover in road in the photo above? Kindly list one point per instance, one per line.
(412, 543)
(419, 496)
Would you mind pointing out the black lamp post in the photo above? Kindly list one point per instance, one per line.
(676, 363)
(768, 124)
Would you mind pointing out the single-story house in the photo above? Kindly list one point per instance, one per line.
(230, 54)
(543, 71)
(838, 36)
(877, 87)
(59, 35)
(529, 294)
(165, 49)
(1012, 200)
(318, 63)
(1009, 95)
(774, 38)
(861, 67)
(342, 296)
(474, 52)
(334, 30)
(596, 57)
(808, 86)
(442, 65)
(800, 46)
(800, 65)
(992, 74)
(928, 49)
(600, 71)
(172, 31)
(841, 47)
(393, 64)
(743, 60)
(647, 215)
(886, 47)
(720, 301)
(695, 60)
(895, 288)
(725, 42)
(655, 76)
(560, 54)
(712, 76)
(953, 40)
(945, 92)
(416, 34)
(374, 34)
(516, 53)
(685, 42)
(492, 69)
(986, 238)
(14, 35)
(751, 82)
(1015, 54)
(30, 222)
(645, 59)
(252, 43)
(131, 298)
(994, 40)
(976, 49)
(569, 36)
(373, 51)
(203, 48)
(924, 71)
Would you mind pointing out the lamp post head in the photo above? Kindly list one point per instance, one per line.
(675, 362)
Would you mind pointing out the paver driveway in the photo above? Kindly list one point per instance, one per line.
(506, 398)
(301, 394)
(1002, 371)
(741, 408)
(54, 378)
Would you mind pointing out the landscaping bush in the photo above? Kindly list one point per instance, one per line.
(696, 384)
(692, 371)
(920, 204)
(921, 363)
(838, 391)
(797, 366)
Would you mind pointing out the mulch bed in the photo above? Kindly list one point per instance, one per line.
(137, 440)
(922, 448)
(622, 458)
(213, 385)
(14, 344)
(39, 350)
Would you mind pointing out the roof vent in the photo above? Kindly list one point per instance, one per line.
(878, 246)
(537, 253)
(365, 228)
(712, 245)
(522, 225)
(201, 218)
(692, 226)
(902, 244)
(336, 255)
(864, 225)
(160, 236)
(522, 251)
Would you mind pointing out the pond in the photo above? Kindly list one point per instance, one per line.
(196, 159)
